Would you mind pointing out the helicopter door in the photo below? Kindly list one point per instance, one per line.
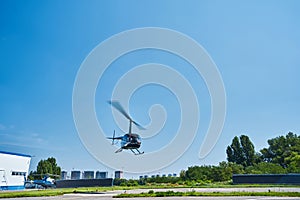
(3, 181)
(125, 140)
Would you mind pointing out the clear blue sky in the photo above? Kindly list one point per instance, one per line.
(255, 44)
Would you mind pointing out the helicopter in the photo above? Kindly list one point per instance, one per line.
(46, 182)
(130, 140)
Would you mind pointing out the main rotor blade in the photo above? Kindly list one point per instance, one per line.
(138, 125)
(120, 108)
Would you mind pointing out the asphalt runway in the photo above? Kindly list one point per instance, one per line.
(109, 195)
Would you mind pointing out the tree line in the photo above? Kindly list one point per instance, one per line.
(283, 151)
(280, 157)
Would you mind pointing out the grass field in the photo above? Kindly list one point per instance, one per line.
(57, 192)
(151, 193)
(211, 185)
(50, 192)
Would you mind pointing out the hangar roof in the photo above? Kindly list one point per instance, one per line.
(16, 154)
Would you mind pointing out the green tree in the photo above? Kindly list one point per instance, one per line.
(265, 168)
(198, 173)
(294, 163)
(231, 168)
(285, 151)
(182, 174)
(248, 150)
(241, 151)
(235, 152)
(208, 173)
(49, 167)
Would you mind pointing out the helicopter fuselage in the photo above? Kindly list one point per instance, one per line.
(131, 141)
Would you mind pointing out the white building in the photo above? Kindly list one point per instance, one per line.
(13, 170)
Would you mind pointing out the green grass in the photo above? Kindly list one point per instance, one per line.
(48, 192)
(60, 191)
(210, 185)
(151, 193)
(57, 192)
(36, 193)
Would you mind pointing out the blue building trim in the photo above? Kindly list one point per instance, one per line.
(16, 154)
(15, 187)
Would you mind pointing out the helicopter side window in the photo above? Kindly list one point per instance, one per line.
(135, 139)
(138, 139)
(126, 138)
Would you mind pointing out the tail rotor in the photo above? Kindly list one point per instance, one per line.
(113, 138)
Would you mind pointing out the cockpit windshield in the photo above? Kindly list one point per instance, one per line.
(133, 138)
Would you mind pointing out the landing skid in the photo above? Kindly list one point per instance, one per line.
(137, 153)
(119, 150)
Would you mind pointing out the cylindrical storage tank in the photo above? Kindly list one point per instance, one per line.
(101, 175)
(88, 174)
(63, 175)
(118, 174)
(75, 175)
